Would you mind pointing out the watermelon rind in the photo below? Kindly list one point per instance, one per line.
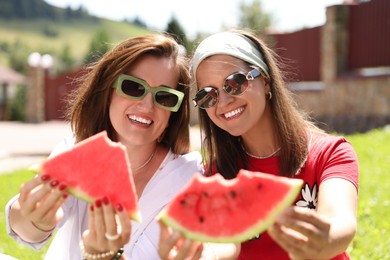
(250, 232)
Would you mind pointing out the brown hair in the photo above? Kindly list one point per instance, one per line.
(89, 104)
(223, 152)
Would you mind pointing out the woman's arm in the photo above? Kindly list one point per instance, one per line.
(338, 199)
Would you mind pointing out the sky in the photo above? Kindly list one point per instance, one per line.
(206, 16)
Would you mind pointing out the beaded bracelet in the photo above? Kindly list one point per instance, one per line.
(87, 255)
(118, 254)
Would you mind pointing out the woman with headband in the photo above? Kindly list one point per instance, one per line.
(248, 120)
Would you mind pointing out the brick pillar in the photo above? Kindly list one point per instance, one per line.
(334, 51)
(335, 42)
(35, 89)
(38, 67)
(35, 95)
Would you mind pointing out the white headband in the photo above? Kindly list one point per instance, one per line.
(232, 44)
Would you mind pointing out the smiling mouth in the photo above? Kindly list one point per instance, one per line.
(140, 120)
(234, 113)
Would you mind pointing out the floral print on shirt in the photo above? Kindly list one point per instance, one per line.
(309, 197)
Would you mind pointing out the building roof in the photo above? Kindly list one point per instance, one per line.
(10, 77)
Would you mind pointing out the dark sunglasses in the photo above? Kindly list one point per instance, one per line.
(235, 84)
(136, 89)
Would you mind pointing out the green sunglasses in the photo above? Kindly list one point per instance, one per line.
(136, 89)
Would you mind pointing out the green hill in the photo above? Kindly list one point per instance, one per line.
(20, 37)
(68, 34)
(52, 36)
(37, 25)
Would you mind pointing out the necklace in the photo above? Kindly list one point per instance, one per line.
(145, 163)
(260, 157)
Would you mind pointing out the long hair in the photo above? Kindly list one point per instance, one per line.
(88, 106)
(223, 152)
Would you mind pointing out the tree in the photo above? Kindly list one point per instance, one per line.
(98, 47)
(254, 17)
(175, 29)
(66, 58)
(138, 21)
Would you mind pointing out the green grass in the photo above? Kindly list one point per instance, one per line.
(371, 241)
(9, 186)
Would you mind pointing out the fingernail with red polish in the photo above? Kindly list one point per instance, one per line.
(63, 187)
(54, 183)
(45, 177)
(105, 201)
(119, 207)
(98, 203)
(91, 207)
(65, 195)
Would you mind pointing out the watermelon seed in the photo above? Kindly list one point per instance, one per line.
(205, 194)
(233, 193)
(201, 219)
(183, 202)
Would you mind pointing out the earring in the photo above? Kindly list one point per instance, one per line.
(268, 96)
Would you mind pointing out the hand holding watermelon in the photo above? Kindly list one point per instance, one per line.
(173, 245)
(83, 173)
(301, 232)
(96, 168)
(109, 228)
(40, 204)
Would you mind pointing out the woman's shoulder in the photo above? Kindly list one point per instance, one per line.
(187, 164)
(192, 156)
(323, 145)
(189, 160)
(64, 145)
(325, 140)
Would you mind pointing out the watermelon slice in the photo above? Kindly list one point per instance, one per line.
(213, 209)
(95, 168)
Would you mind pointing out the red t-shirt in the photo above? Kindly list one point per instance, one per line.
(329, 157)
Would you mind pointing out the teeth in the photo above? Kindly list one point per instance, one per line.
(234, 112)
(140, 119)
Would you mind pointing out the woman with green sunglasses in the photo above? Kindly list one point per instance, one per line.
(138, 93)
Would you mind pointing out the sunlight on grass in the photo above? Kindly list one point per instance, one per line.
(373, 236)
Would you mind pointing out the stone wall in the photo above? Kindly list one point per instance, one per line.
(348, 105)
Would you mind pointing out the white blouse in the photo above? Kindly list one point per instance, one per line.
(174, 172)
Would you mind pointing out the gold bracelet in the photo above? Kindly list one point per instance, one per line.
(87, 255)
(43, 230)
(212, 250)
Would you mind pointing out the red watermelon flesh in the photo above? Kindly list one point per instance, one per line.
(95, 168)
(213, 209)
